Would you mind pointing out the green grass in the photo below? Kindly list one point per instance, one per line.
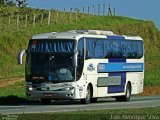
(127, 114)
(13, 94)
(152, 70)
(17, 89)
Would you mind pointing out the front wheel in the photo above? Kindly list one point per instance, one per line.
(87, 100)
(127, 95)
(93, 100)
(45, 101)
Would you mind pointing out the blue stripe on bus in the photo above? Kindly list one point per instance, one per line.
(120, 67)
(119, 88)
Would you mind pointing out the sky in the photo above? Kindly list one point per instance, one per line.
(139, 9)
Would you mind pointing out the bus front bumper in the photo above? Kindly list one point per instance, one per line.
(54, 95)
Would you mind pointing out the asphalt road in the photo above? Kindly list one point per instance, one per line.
(66, 106)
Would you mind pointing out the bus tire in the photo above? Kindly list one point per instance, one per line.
(93, 100)
(87, 100)
(45, 101)
(127, 95)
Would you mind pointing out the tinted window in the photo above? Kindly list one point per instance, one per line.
(90, 47)
(55, 46)
(110, 48)
(123, 49)
(81, 47)
(99, 49)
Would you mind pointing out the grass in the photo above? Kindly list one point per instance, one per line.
(13, 94)
(121, 114)
(152, 70)
(17, 89)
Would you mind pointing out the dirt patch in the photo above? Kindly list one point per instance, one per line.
(10, 81)
(152, 90)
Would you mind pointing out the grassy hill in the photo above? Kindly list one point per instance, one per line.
(12, 40)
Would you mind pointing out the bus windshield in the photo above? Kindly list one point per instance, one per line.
(50, 61)
(54, 46)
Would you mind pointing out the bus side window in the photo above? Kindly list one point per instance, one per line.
(81, 57)
(139, 49)
(81, 47)
(90, 48)
(99, 49)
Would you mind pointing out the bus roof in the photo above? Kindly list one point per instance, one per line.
(76, 34)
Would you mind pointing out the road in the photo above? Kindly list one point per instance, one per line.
(102, 104)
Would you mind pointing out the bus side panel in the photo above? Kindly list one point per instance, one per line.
(136, 80)
(90, 71)
(92, 78)
(119, 88)
(102, 90)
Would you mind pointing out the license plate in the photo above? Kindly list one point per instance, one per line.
(48, 94)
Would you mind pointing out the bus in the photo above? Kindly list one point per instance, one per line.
(83, 65)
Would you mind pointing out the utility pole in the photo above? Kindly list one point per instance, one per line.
(109, 10)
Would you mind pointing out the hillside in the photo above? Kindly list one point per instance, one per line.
(12, 40)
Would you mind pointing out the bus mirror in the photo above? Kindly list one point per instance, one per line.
(20, 56)
(75, 64)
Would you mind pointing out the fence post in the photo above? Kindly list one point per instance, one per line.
(9, 22)
(26, 21)
(109, 10)
(64, 14)
(88, 10)
(17, 22)
(57, 15)
(0, 19)
(98, 9)
(49, 18)
(114, 12)
(70, 18)
(94, 10)
(104, 9)
(42, 19)
(83, 11)
(76, 14)
(34, 20)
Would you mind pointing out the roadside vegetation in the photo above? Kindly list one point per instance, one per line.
(121, 114)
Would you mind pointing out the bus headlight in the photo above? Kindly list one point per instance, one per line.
(67, 88)
(30, 88)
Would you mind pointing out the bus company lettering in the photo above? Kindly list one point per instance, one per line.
(91, 67)
(132, 66)
(101, 67)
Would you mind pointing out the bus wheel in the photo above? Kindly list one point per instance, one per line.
(93, 100)
(127, 95)
(87, 100)
(45, 101)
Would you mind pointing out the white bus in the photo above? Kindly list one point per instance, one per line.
(83, 65)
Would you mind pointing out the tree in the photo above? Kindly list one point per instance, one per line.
(7, 2)
(1, 2)
(22, 3)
